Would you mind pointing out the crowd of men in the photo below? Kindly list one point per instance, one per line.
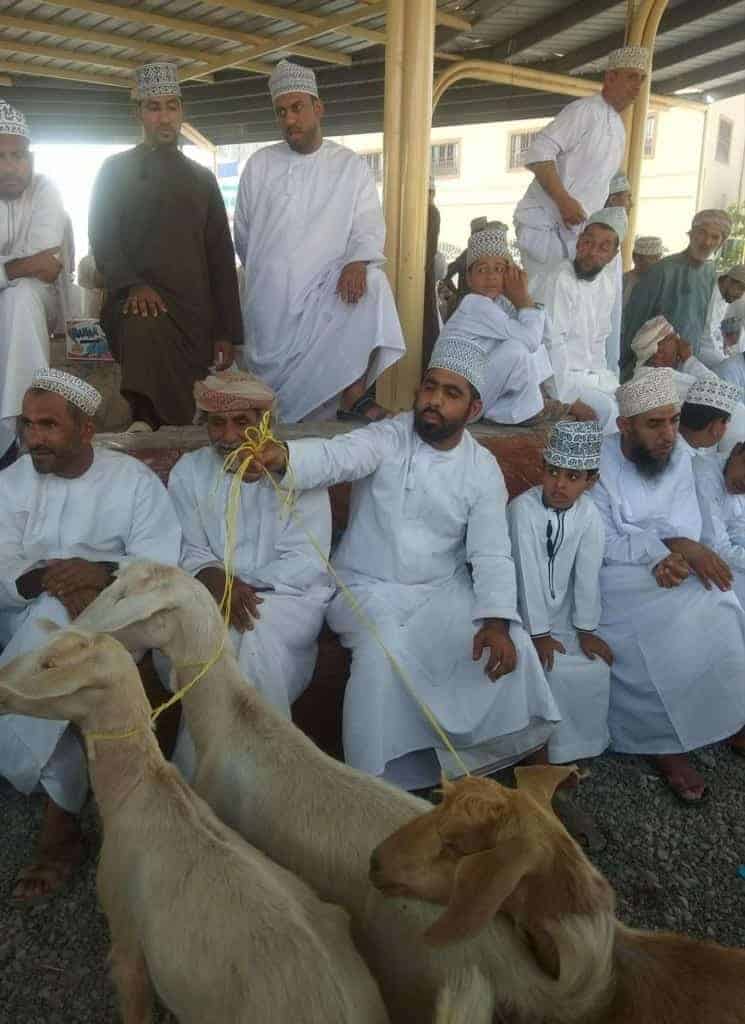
(579, 616)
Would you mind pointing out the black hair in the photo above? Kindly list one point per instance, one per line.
(699, 417)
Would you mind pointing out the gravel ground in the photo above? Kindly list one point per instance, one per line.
(672, 866)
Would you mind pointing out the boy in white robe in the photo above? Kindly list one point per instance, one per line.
(720, 485)
(665, 595)
(557, 543)
(426, 556)
(319, 316)
(69, 515)
(716, 346)
(281, 587)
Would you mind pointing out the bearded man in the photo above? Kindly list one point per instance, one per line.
(428, 502)
(664, 596)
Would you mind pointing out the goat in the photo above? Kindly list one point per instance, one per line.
(317, 817)
(220, 932)
(487, 850)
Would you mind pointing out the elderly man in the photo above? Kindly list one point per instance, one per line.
(70, 514)
(574, 159)
(665, 595)
(426, 556)
(716, 344)
(160, 239)
(32, 281)
(281, 586)
(579, 298)
(321, 323)
(679, 287)
(648, 250)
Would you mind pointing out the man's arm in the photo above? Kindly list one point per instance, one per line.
(227, 322)
(564, 133)
(366, 239)
(104, 229)
(631, 545)
(571, 210)
(38, 256)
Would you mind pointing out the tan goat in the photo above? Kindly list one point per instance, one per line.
(222, 934)
(487, 850)
(315, 816)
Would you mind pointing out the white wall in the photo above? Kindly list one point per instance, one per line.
(722, 183)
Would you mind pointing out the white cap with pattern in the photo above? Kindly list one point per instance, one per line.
(288, 77)
(737, 273)
(715, 393)
(619, 183)
(633, 57)
(73, 389)
(648, 245)
(489, 241)
(651, 390)
(460, 354)
(647, 339)
(157, 79)
(12, 121)
(574, 445)
(613, 217)
(718, 219)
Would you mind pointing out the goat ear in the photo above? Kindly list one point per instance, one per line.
(483, 881)
(542, 780)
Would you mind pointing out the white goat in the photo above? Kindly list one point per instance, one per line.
(221, 933)
(315, 816)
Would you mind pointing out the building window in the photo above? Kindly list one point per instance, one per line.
(519, 144)
(724, 140)
(445, 159)
(375, 162)
(650, 136)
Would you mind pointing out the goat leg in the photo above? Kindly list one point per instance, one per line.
(132, 981)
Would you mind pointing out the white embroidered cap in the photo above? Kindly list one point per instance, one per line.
(651, 390)
(574, 445)
(715, 393)
(288, 77)
(635, 57)
(613, 217)
(648, 245)
(73, 389)
(719, 219)
(460, 354)
(489, 241)
(12, 121)
(619, 183)
(157, 79)
(648, 337)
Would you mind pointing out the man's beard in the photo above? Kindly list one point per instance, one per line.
(438, 431)
(585, 275)
(646, 463)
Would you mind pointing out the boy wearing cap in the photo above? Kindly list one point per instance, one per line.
(711, 418)
(718, 344)
(720, 485)
(557, 543)
(160, 239)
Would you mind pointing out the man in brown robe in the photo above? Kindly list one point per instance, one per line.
(160, 238)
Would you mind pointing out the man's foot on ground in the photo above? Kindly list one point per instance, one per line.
(365, 410)
(59, 854)
(682, 778)
(139, 427)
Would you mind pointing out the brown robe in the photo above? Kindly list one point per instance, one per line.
(158, 218)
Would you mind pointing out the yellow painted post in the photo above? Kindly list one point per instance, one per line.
(394, 62)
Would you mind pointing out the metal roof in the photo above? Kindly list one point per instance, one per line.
(68, 63)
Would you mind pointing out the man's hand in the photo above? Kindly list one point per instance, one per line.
(143, 301)
(495, 635)
(65, 576)
(222, 354)
(244, 603)
(684, 350)
(671, 571)
(707, 565)
(547, 647)
(593, 646)
(46, 265)
(581, 412)
(572, 212)
(515, 288)
(352, 282)
(273, 459)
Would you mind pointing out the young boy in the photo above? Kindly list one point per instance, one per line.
(720, 485)
(500, 318)
(557, 545)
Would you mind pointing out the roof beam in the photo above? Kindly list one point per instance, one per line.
(724, 92)
(702, 75)
(73, 56)
(441, 18)
(698, 47)
(45, 71)
(544, 29)
(314, 21)
(196, 137)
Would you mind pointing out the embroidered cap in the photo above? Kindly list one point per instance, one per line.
(613, 217)
(12, 121)
(714, 393)
(288, 77)
(737, 273)
(719, 219)
(574, 445)
(651, 390)
(489, 241)
(232, 391)
(619, 183)
(648, 245)
(157, 79)
(635, 57)
(648, 337)
(460, 354)
(76, 391)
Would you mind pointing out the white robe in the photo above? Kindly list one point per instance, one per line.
(559, 596)
(723, 518)
(672, 688)
(274, 554)
(710, 347)
(586, 141)
(418, 518)
(733, 370)
(580, 316)
(298, 221)
(117, 511)
(29, 308)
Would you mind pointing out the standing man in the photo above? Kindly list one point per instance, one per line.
(161, 241)
(431, 324)
(32, 229)
(648, 250)
(574, 159)
(320, 320)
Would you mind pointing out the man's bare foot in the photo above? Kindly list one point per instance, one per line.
(681, 777)
(59, 852)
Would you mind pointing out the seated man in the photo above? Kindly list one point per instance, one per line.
(665, 595)
(720, 485)
(69, 515)
(713, 347)
(32, 232)
(657, 344)
(428, 502)
(733, 368)
(711, 409)
(501, 318)
(281, 587)
(648, 250)
(579, 301)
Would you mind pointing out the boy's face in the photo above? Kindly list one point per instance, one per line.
(486, 276)
(734, 471)
(562, 487)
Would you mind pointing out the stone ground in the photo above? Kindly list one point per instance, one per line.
(673, 867)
